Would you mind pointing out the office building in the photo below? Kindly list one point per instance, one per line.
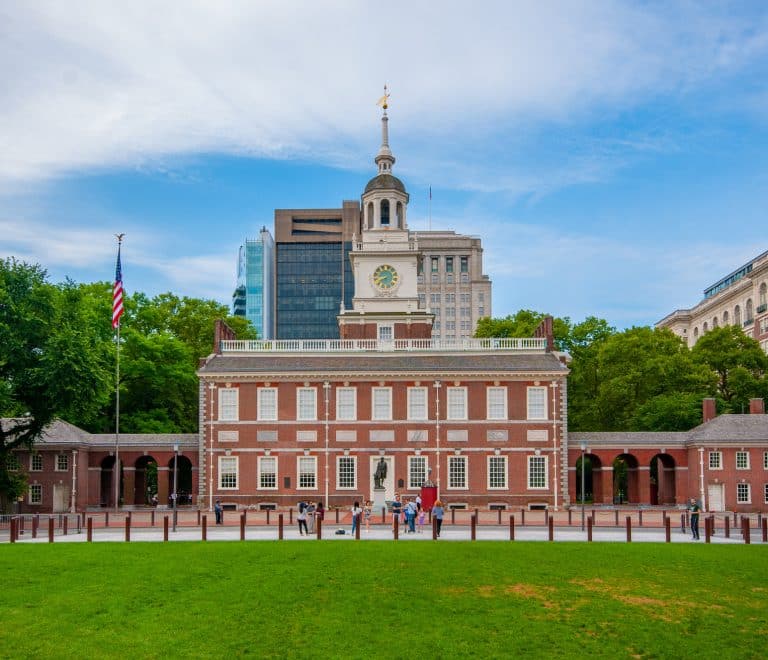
(254, 296)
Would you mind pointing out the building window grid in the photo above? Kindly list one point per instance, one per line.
(496, 403)
(382, 403)
(742, 460)
(228, 404)
(267, 472)
(457, 403)
(765, 494)
(36, 463)
(12, 462)
(537, 472)
(765, 460)
(307, 469)
(537, 402)
(62, 463)
(228, 472)
(36, 494)
(743, 495)
(346, 472)
(497, 472)
(346, 404)
(306, 404)
(715, 460)
(457, 472)
(267, 404)
(417, 471)
(417, 403)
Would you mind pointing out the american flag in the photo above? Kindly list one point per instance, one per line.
(117, 293)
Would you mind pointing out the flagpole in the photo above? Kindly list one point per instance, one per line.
(117, 312)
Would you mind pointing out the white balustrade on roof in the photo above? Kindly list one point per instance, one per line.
(525, 344)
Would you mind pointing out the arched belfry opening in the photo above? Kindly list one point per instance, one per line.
(384, 213)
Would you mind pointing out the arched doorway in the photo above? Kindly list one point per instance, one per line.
(107, 488)
(145, 486)
(625, 486)
(593, 483)
(184, 481)
(662, 479)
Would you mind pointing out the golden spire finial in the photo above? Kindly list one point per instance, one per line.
(384, 100)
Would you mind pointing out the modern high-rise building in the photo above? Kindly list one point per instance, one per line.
(314, 275)
(254, 296)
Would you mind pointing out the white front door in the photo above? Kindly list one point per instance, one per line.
(60, 498)
(389, 481)
(715, 497)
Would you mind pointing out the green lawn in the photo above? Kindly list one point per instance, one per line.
(383, 599)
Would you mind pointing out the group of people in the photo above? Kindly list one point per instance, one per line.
(365, 512)
(308, 513)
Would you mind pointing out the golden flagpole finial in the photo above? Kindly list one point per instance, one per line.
(384, 100)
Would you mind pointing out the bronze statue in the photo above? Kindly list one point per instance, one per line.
(380, 474)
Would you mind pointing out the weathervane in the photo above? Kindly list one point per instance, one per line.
(384, 100)
(119, 237)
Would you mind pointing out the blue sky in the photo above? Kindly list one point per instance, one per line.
(612, 155)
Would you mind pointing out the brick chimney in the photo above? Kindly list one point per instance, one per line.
(756, 407)
(221, 331)
(708, 410)
(545, 330)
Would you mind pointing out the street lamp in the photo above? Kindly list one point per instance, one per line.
(583, 453)
(175, 480)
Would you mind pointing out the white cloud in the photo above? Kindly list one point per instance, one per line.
(108, 84)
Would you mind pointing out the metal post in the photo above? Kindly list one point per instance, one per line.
(511, 528)
(473, 527)
(583, 454)
(175, 483)
(127, 529)
(280, 526)
(242, 527)
(629, 529)
(667, 529)
(89, 532)
(165, 528)
(589, 529)
(551, 527)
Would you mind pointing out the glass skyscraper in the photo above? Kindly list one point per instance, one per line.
(254, 296)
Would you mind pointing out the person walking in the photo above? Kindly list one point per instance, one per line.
(411, 512)
(437, 514)
(695, 509)
(397, 507)
(311, 518)
(367, 512)
(422, 516)
(356, 513)
(218, 510)
(302, 519)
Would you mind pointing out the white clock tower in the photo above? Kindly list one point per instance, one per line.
(385, 260)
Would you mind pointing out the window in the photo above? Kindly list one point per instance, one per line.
(228, 436)
(450, 298)
(465, 298)
(306, 436)
(385, 332)
(496, 402)
(464, 264)
(36, 494)
(417, 403)
(537, 403)
(435, 264)
(267, 404)
(346, 472)
(422, 300)
(481, 297)
(306, 404)
(457, 472)
(36, 463)
(497, 472)
(737, 315)
(537, 472)
(62, 463)
(715, 460)
(450, 311)
(307, 467)
(434, 298)
(481, 311)
(449, 264)
(417, 471)
(382, 403)
(743, 496)
(346, 403)
(228, 398)
(742, 460)
(457, 403)
(765, 493)
(268, 472)
(228, 467)
(450, 325)
(384, 213)
(465, 312)
(765, 460)
(12, 462)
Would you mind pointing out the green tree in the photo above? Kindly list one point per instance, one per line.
(523, 324)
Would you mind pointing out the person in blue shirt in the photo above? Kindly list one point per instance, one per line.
(397, 507)
(437, 513)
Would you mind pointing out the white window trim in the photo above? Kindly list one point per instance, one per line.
(30, 500)
(488, 472)
(720, 460)
(448, 414)
(56, 467)
(736, 458)
(529, 390)
(426, 470)
(298, 473)
(338, 472)
(373, 404)
(223, 393)
(260, 416)
(464, 460)
(307, 432)
(765, 493)
(546, 473)
(228, 436)
(426, 404)
(749, 494)
(32, 457)
(339, 391)
(488, 402)
(236, 459)
(274, 460)
(299, 391)
(765, 460)
(390, 327)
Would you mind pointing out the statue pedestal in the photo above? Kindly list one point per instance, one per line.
(379, 500)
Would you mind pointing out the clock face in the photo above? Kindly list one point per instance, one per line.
(385, 277)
